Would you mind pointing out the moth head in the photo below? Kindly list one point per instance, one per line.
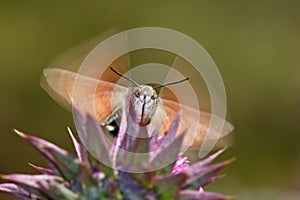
(143, 102)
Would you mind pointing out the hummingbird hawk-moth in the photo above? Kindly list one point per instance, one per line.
(141, 100)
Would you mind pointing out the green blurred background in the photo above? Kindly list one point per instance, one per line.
(255, 44)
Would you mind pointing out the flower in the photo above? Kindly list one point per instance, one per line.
(84, 177)
(180, 164)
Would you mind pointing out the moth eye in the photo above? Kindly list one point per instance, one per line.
(137, 94)
(153, 97)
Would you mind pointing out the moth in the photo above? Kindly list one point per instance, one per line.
(143, 101)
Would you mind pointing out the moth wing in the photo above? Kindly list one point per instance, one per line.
(103, 104)
(196, 130)
(59, 84)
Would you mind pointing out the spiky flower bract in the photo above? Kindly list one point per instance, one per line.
(82, 177)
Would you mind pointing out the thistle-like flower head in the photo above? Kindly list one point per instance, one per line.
(129, 167)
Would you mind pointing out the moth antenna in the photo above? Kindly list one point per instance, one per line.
(132, 81)
(172, 83)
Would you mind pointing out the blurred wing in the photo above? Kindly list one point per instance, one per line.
(72, 58)
(103, 104)
(59, 84)
(193, 128)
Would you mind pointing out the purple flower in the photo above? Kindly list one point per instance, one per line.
(84, 177)
(180, 164)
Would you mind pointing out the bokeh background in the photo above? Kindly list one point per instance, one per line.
(255, 44)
